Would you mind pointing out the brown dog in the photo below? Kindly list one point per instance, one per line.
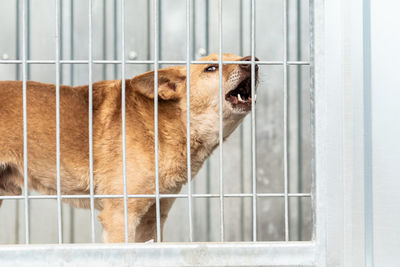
(107, 138)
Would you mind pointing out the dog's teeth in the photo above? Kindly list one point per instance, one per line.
(240, 98)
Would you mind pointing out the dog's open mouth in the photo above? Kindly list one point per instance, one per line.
(240, 97)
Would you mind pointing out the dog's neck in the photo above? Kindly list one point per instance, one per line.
(205, 137)
(204, 130)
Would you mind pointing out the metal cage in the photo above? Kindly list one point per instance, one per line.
(251, 251)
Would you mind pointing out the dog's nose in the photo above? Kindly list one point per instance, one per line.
(247, 67)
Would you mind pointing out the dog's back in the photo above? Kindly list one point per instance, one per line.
(74, 132)
(41, 130)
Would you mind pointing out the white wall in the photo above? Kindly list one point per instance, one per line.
(360, 115)
(385, 81)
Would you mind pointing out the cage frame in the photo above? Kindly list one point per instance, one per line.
(304, 253)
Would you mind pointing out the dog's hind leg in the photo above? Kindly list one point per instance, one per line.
(8, 183)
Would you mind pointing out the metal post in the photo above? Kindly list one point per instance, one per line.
(285, 120)
(318, 130)
(71, 47)
(17, 77)
(90, 63)
(300, 124)
(104, 26)
(72, 40)
(188, 150)
(72, 81)
(17, 39)
(221, 137)
(208, 163)
(253, 122)
(159, 31)
(148, 36)
(25, 119)
(241, 128)
(115, 23)
(156, 58)
(368, 181)
(59, 207)
(28, 38)
(123, 89)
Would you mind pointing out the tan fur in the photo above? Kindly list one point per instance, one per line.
(107, 139)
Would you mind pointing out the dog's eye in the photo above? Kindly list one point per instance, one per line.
(211, 69)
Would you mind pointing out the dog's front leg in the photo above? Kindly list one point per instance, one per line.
(147, 229)
(112, 218)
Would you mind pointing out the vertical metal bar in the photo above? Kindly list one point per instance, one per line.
(316, 230)
(208, 200)
(25, 119)
(58, 153)
(159, 31)
(285, 120)
(115, 10)
(28, 38)
(253, 123)
(17, 77)
(17, 41)
(300, 127)
(91, 120)
(242, 220)
(189, 169)
(193, 53)
(104, 26)
(72, 81)
(241, 8)
(123, 120)
(318, 99)
(207, 26)
(287, 182)
(148, 36)
(208, 164)
(368, 180)
(156, 58)
(61, 41)
(72, 40)
(221, 137)
(193, 41)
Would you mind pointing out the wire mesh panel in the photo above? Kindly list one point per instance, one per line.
(256, 186)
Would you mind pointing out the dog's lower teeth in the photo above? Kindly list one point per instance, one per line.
(240, 98)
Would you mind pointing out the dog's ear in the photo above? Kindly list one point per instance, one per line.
(169, 81)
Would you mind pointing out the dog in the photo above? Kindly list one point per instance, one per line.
(107, 138)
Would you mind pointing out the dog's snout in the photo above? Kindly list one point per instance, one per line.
(247, 67)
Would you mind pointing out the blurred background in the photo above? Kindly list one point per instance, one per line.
(139, 33)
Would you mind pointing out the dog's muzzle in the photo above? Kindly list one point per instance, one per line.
(240, 97)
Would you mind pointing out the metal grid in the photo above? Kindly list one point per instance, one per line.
(307, 249)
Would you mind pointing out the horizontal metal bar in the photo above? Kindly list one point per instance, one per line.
(161, 254)
(161, 196)
(178, 62)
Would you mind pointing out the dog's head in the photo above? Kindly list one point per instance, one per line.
(236, 83)
(205, 88)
